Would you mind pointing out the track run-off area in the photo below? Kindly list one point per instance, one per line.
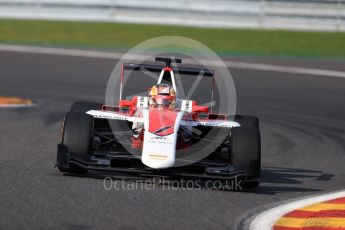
(299, 101)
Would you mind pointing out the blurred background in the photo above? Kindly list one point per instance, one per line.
(268, 27)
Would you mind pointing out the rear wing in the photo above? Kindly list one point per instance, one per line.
(179, 70)
(203, 72)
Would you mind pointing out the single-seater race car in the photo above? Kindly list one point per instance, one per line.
(161, 134)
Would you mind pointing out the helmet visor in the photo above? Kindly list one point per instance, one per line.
(163, 100)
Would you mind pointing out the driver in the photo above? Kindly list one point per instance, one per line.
(162, 96)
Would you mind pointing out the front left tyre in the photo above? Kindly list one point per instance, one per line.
(245, 154)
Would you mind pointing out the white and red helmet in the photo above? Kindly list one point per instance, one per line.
(162, 95)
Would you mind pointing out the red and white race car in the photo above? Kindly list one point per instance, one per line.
(161, 134)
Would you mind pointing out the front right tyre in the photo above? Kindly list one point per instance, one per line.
(77, 133)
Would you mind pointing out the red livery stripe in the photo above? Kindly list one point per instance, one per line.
(162, 122)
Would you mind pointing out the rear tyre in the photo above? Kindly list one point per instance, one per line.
(76, 136)
(245, 154)
(247, 120)
(84, 106)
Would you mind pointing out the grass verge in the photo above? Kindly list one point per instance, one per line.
(124, 36)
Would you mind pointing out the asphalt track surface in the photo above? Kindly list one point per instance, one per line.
(303, 150)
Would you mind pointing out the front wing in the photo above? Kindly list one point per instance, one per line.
(124, 163)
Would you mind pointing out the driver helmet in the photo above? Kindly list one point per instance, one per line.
(162, 95)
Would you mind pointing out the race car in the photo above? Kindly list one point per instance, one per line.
(161, 134)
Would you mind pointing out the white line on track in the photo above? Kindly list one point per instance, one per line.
(116, 55)
(266, 219)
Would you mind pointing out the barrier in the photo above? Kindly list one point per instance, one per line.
(267, 14)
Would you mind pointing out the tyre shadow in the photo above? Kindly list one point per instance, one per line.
(277, 180)
(274, 180)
